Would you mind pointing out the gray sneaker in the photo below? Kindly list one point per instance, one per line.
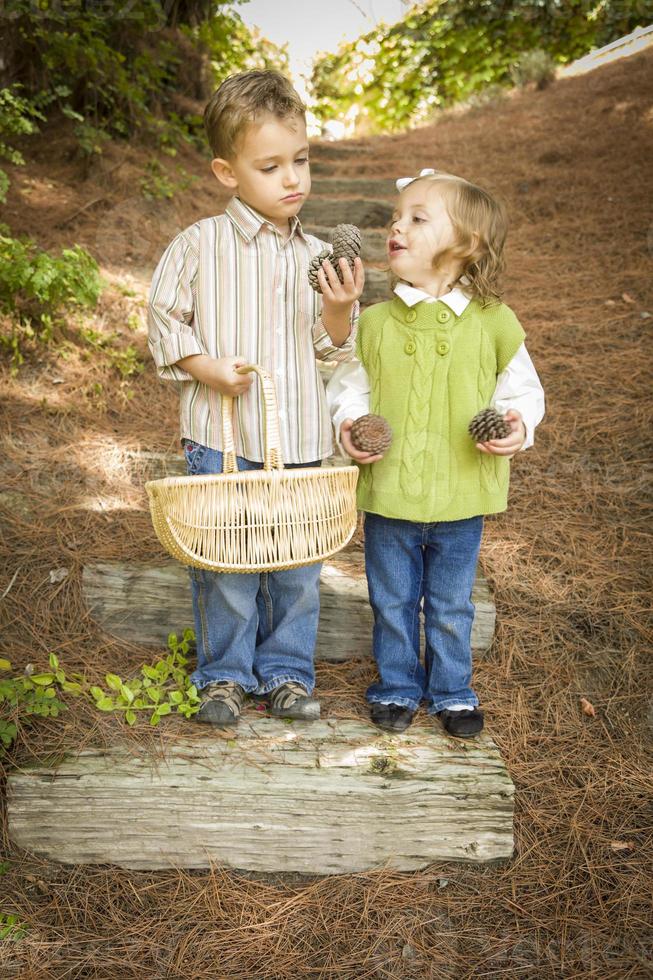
(221, 704)
(291, 700)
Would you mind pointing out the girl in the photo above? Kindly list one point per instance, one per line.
(441, 350)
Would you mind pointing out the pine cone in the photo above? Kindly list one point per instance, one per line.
(488, 424)
(346, 245)
(371, 434)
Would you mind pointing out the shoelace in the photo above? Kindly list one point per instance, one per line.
(286, 695)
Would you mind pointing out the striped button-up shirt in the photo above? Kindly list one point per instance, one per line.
(232, 286)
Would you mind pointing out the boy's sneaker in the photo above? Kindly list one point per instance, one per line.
(464, 723)
(291, 700)
(221, 703)
(391, 717)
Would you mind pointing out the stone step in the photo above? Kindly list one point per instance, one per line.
(377, 287)
(368, 187)
(326, 797)
(334, 211)
(373, 247)
(143, 603)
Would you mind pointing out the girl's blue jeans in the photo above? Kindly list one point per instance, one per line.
(257, 629)
(408, 566)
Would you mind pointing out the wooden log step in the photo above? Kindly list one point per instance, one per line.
(372, 187)
(326, 797)
(377, 287)
(144, 603)
(354, 211)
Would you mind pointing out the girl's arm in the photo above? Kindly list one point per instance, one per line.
(519, 395)
(348, 397)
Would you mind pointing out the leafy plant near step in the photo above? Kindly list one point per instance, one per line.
(17, 118)
(37, 288)
(158, 185)
(161, 688)
(11, 928)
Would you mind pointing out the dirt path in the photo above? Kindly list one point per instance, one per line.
(568, 564)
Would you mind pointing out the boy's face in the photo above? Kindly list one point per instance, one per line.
(270, 169)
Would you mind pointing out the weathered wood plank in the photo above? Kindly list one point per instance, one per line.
(144, 603)
(327, 798)
(355, 210)
(371, 187)
(373, 248)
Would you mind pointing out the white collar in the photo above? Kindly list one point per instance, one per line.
(456, 299)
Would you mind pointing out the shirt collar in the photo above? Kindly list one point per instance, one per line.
(456, 299)
(249, 222)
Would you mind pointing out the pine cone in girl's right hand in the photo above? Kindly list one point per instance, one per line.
(371, 434)
(488, 424)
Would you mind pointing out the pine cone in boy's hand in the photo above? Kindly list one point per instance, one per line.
(488, 424)
(371, 434)
(346, 245)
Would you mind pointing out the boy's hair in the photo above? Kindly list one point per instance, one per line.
(240, 100)
(474, 214)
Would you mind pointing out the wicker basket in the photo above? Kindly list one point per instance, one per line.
(255, 520)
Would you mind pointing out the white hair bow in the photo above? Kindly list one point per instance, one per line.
(405, 181)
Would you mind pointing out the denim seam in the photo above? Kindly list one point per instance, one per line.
(403, 702)
(264, 586)
(202, 612)
(282, 679)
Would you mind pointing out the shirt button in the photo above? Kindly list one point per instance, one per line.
(410, 347)
(443, 347)
(411, 316)
(443, 316)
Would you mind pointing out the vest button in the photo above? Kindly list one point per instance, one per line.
(411, 316)
(410, 347)
(443, 316)
(443, 347)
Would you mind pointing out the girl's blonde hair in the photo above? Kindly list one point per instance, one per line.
(480, 223)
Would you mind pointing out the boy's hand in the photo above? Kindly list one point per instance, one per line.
(350, 448)
(218, 373)
(510, 444)
(340, 296)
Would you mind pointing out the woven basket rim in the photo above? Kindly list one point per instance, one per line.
(309, 472)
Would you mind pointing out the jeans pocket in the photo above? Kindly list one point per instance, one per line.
(194, 453)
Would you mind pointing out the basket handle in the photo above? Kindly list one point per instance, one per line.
(271, 437)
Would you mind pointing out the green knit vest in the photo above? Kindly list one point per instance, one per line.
(430, 372)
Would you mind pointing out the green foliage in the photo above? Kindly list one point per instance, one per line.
(118, 68)
(534, 67)
(11, 928)
(157, 184)
(162, 688)
(36, 287)
(445, 51)
(17, 115)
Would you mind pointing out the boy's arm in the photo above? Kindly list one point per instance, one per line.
(170, 309)
(334, 333)
(519, 395)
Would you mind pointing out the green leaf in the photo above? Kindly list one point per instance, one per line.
(126, 694)
(113, 682)
(42, 679)
(105, 704)
(54, 662)
(163, 709)
(71, 687)
(154, 694)
(150, 672)
(5, 664)
(176, 697)
(97, 693)
(130, 716)
(154, 720)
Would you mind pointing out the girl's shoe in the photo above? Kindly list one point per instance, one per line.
(464, 723)
(221, 703)
(391, 717)
(291, 700)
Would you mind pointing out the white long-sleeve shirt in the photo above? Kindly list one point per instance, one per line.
(518, 386)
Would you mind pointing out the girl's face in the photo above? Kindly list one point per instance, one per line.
(421, 229)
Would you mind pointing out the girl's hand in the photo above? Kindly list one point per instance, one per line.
(510, 444)
(340, 296)
(350, 448)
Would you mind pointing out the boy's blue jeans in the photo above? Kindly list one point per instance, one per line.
(257, 629)
(408, 565)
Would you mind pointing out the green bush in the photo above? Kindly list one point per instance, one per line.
(17, 118)
(535, 67)
(445, 51)
(35, 287)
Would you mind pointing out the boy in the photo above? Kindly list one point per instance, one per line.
(232, 290)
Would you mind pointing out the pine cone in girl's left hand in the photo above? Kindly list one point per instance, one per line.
(371, 434)
(488, 424)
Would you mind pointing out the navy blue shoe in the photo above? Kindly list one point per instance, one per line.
(463, 724)
(391, 717)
